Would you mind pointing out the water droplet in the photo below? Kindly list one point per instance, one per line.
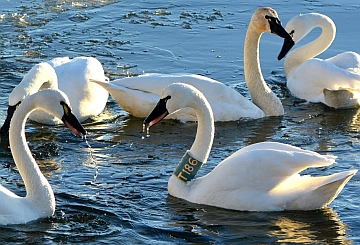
(93, 160)
(148, 131)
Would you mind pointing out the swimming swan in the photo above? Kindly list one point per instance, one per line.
(70, 76)
(260, 177)
(334, 81)
(39, 201)
(138, 95)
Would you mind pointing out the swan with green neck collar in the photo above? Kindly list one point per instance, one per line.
(260, 177)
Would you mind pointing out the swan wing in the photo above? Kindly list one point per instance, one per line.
(311, 77)
(309, 193)
(263, 169)
(226, 103)
(156, 82)
(87, 99)
(138, 102)
(58, 61)
(265, 177)
(346, 60)
(270, 146)
(213, 90)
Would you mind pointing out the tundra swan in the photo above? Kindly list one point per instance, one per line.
(70, 76)
(334, 81)
(138, 95)
(39, 201)
(260, 177)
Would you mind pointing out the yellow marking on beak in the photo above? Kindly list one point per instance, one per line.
(66, 109)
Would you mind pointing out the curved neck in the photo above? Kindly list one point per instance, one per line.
(39, 77)
(200, 149)
(261, 94)
(312, 49)
(204, 138)
(37, 187)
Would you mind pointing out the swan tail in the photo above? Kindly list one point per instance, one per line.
(321, 192)
(137, 102)
(104, 84)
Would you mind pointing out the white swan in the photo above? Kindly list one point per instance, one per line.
(138, 95)
(334, 81)
(70, 76)
(260, 177)
(39, 201)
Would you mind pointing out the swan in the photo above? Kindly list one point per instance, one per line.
(260, 177)
(39, 201)
(138, 95)
(70, 76)
(334, 81)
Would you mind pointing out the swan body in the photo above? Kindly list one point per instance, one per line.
(39, 201)
(70, 76)
(138, 95)
(334, 81)
(260, 177)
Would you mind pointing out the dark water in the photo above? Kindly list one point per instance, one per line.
(121, 197)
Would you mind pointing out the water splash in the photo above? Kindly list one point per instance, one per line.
(147, 131)
(93, 160)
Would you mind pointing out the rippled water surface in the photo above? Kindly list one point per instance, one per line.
(120, 196)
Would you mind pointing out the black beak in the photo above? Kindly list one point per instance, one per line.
(278, 29)
(159, 112)
(71, 121)
(10, 112)
(287, 45)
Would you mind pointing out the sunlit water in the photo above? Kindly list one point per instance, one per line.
(116, 191)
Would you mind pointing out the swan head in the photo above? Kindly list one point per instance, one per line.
(267, 20)
(301, 25)
(52, 101)
(56, 102)
(174, 97)
(70, 120)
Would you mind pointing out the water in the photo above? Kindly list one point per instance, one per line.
(118, 195)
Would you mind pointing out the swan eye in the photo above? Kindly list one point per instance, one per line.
(273, 19)
(17, 105)
(292, 33)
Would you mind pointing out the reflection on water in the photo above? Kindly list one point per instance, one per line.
(206, 223)
(325, 227)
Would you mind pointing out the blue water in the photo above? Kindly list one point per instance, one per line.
(120, 196)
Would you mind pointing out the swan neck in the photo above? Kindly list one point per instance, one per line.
(312, 49)
(201, 147)
(36, 185)
(39, 77)
(261, 94)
